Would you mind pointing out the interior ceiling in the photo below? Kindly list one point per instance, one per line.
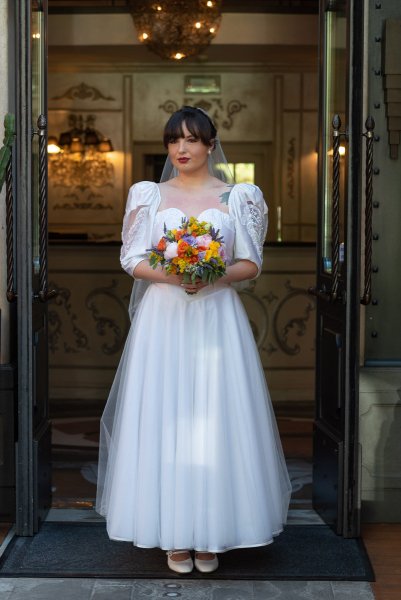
(247, 6)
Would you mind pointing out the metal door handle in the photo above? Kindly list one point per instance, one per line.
(335, 210)
(7, 156)
(44, 294)
(367, 291)
(323, 294)
(332, 294)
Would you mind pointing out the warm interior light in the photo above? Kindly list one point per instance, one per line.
(76, 145)
(36, 36)
(81, 157)
(187, 26)
(341, 151)
(105, 145)
(53, 148)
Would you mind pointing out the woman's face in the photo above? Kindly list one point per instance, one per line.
(188, 154)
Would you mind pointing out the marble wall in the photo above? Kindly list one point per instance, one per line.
(380, 435)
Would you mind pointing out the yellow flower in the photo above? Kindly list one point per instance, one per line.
(212, 251)
(182, 264)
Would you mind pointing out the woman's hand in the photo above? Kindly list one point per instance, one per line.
(144, 271)
(192, 287)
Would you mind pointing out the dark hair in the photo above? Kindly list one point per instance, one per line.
(198, 123)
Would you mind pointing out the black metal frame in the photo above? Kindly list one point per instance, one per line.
(351, 524)
(237, 6)
(27, 441)
(24, 459)
(342, 286)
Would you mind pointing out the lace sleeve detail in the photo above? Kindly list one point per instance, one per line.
(252, 217)
(250, 213)
(136, 229)
(132, 235)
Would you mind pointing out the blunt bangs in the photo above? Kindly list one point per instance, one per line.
(197, 124)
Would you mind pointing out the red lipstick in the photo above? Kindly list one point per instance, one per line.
(183, 160)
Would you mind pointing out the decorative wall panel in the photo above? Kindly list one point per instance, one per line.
(88, 323)
(91, 205)
(296, 155)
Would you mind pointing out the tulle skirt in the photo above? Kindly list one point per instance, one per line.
(190, 455)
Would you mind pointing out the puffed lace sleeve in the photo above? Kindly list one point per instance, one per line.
(137, 224)
(250, 213)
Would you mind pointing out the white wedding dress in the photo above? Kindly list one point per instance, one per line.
(190, 455)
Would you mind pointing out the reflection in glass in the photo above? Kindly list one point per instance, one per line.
(38, 100)
(243, 172)
(335, 94)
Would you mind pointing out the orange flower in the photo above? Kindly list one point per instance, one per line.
(178, 235)
(162, 245)
(182, 248)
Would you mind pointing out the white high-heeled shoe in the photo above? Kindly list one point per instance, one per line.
(179, 566)
(206, 566)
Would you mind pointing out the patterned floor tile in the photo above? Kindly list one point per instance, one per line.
(112, 589)
(52, 589)
(6, 588)
(292, 590)
(165, 588)
(347, 590)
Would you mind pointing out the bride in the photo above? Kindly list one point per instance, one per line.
(190, 456)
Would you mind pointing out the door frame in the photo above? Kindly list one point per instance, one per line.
(346, 310)
(27, 445)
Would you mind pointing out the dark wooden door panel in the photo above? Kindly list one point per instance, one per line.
(327, 475)
(330, 397)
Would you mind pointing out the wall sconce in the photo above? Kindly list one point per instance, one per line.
(79, 157)
(81, 137)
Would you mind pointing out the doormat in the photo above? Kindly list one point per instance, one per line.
(301, 552)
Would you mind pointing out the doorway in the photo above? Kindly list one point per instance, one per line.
(77, 413)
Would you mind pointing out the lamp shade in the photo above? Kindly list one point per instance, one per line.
(76, 145)
(105, 145)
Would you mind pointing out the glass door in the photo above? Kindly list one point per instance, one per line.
(33, 428)
(335, 90)
(336, 469)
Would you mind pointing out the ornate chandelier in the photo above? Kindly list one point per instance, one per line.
(177, 29)
(79, 158)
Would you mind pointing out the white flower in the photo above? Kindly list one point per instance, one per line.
(171, 251)
(204, 240)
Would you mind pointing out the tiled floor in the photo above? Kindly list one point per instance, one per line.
(90, 589)
(74, 487)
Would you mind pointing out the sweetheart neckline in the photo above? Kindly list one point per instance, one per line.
(198, 216)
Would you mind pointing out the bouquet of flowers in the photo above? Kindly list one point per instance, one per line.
(195, 250)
